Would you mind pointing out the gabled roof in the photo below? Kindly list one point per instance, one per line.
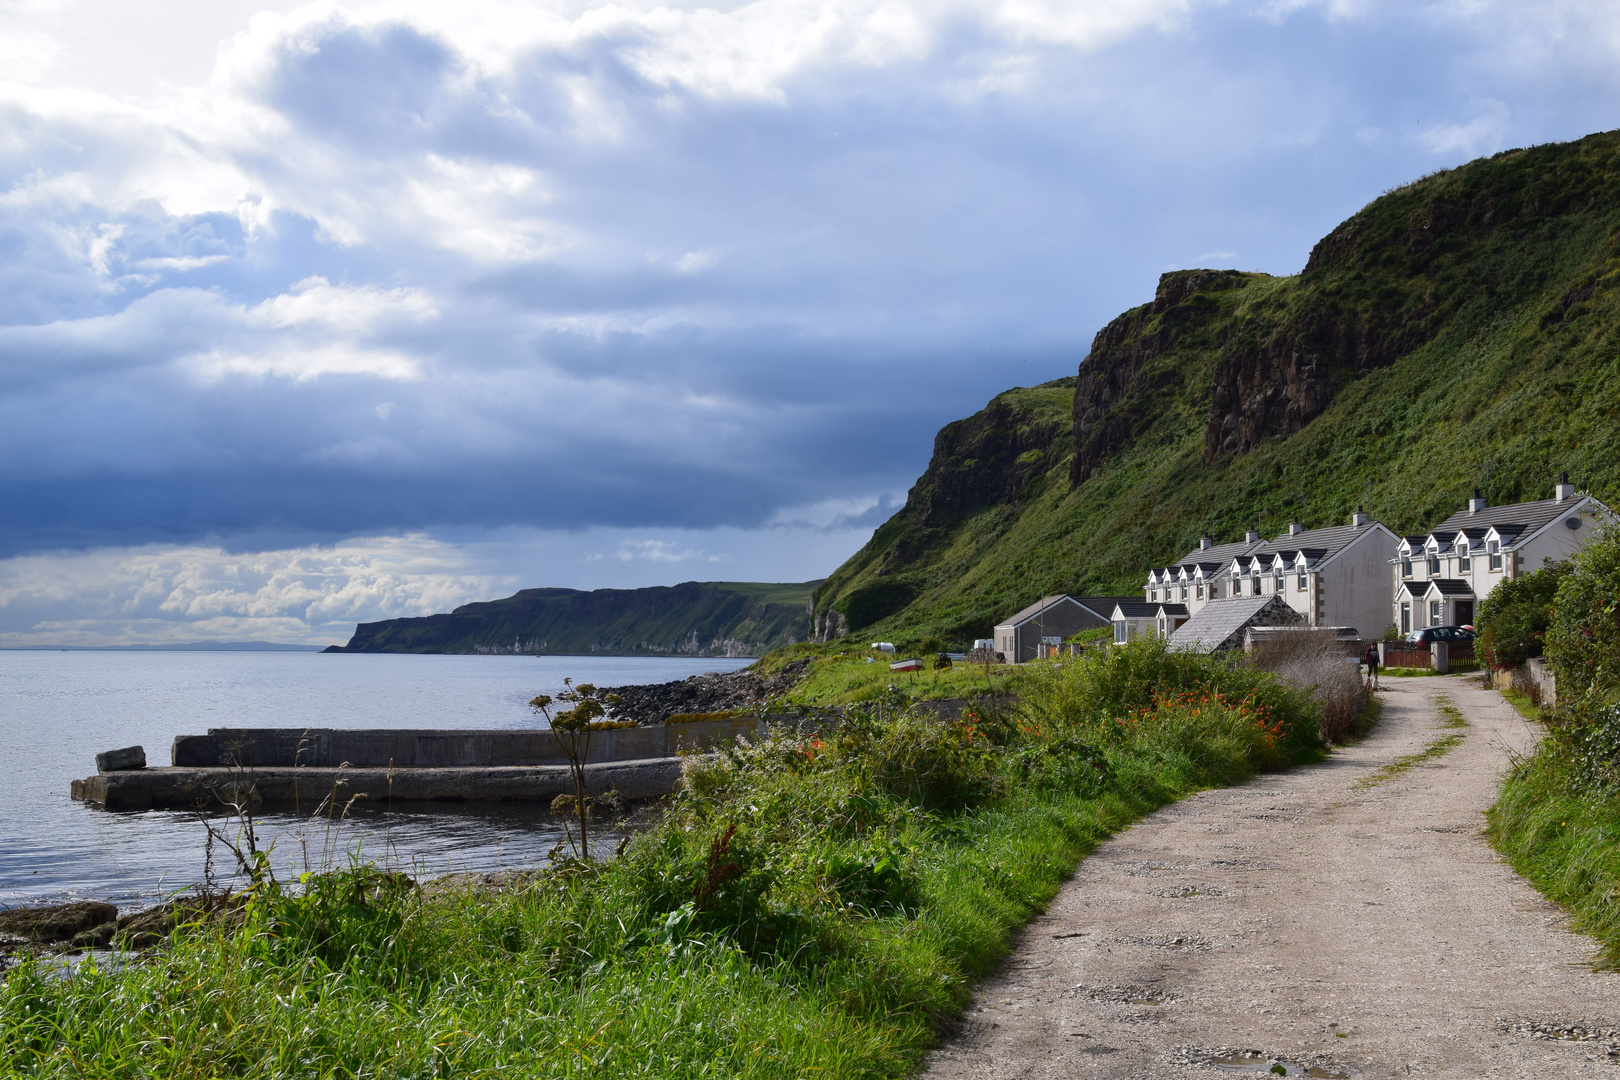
(1450, 587)
(1045, 603)
(1529, 515)
(1136, 609)
(1414, 588)
(1329, 541)
(1103, 606)
(1214, 625)
(1172, 610)
(1221, 553)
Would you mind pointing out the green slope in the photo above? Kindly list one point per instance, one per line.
(1461, 332)
(697, 618)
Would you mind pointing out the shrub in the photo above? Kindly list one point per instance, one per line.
(1314, 663)
(933, 764)
(1514, 618)
(1583, 642)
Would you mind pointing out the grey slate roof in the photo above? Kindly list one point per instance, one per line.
(1103, 606)
(1451, 586)
(1329, 541)
(1138, 609)
(1220, 553)
(1531, 515)
(1415, 588)
(1172, 610)
(1214, 625)
(1045, 603)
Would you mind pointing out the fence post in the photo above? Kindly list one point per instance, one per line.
(1440, 657)
(1383, 654)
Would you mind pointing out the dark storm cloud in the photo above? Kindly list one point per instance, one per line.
(389, 275)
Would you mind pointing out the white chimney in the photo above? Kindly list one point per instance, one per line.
(1205, 543)
(1251, 537)
(1360, 518)
(1295, 528)
(1565, 489)
(1477, 503)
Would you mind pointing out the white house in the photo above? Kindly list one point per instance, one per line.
(1332, 576)
(1197, 577)
(1441, 577)
(1136, 618)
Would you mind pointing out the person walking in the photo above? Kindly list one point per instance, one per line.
(1370, 658)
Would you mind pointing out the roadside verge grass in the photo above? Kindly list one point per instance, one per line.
(807, 906)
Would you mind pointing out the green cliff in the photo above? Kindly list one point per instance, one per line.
(1460, 332)
(697, 618)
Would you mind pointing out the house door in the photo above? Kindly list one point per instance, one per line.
(1465, 613)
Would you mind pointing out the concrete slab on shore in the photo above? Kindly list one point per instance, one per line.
(211, 787)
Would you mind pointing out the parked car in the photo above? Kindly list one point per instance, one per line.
(1440, 633)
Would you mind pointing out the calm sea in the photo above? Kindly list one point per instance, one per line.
(58, 709)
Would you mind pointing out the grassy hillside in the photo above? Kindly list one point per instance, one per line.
(701, 618)
(1460, 332)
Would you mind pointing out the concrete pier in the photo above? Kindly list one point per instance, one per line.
(288, 766)
(181, 787)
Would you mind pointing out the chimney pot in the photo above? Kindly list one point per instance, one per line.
(1477, 503)
(1295, 528)
(1360, 518)
(1251, 537)
(1205, 543)
(1565, 489)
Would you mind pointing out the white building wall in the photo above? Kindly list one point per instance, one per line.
(1354, 585)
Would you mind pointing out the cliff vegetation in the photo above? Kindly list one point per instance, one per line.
(1459, 333)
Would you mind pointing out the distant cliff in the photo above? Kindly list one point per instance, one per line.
(1457, 333)
(697, 618)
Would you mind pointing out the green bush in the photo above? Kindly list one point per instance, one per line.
(1583, 643)
(805, 905)
(1514, 618)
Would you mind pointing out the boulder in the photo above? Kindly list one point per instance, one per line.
(58, 922)
(130, 757)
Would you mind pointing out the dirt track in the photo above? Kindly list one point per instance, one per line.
(1333, 919)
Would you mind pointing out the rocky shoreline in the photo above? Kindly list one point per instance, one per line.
(653, 703)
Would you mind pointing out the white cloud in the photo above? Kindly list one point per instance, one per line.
(1484, 133)
(349, 309)
(167, 593)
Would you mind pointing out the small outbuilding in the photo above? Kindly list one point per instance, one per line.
(1222, 625)
(1019, 638)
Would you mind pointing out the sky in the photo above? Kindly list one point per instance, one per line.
(314, 314)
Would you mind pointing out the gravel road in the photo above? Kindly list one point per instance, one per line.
(1347, 919)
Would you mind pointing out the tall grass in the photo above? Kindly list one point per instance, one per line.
(806, 906)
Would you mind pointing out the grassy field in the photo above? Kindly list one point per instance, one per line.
(806, 907)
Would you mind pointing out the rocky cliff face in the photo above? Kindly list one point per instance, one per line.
(1119, 385)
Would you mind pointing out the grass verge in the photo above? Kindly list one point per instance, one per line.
(1450, 717)
(807, 906)
(1560, 832)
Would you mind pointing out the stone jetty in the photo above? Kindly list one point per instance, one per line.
(289, 766)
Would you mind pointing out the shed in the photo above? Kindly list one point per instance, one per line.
(1221, 625)
(1019, 638)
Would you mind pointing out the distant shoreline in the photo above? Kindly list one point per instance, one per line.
(192, 646)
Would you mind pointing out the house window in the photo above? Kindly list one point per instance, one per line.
(1406, 568)
(1153, 595)
(1465, 564)
(1254, 587)
(1184, 592)
(1495, 551)
(1119, 630)
(1304, 583)
(1200, 591)
(1406, 618)
(1436, 612)
(1434, 566)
